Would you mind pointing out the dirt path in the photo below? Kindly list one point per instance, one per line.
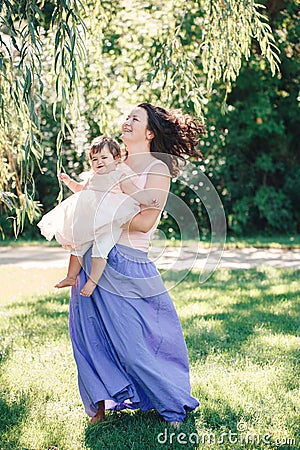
(165, 258)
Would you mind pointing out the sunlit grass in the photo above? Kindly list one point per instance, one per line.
(242, 330)
(20, 283)
(21, 242)
(257, 241)
(235, 242)
(260, 241)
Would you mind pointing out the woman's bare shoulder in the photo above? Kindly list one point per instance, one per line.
(159, 167)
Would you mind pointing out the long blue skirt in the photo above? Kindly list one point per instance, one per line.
(127, 340)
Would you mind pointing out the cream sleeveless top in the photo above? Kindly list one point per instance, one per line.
(138, 239)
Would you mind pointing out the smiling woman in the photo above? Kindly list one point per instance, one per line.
(176, 134)
(127, 340)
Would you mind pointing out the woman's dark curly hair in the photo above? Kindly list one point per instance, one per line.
(175, 134)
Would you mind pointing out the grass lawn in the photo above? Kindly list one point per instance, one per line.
(232, 242)
(259, 241)
(242, 330)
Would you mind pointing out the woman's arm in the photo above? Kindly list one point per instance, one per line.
(142, 196)
(73, 185)
(158, 184)
(143, 221)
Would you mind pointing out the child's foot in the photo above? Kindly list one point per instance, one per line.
(100, 415)
(68, 281)
(88, 288)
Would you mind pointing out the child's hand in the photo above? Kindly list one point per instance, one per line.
(154, 203)
(64, 178)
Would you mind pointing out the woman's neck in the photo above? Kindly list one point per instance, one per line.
(138, 158)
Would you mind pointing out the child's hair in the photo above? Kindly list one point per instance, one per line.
(99, 142)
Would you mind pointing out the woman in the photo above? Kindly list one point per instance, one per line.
(127, 340)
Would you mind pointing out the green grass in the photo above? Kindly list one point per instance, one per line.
(260, 241)
(257, 241)
(21, 242)
(242, 330)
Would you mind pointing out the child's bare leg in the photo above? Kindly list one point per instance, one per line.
(75, 263)
(100, 415)
(98, 265)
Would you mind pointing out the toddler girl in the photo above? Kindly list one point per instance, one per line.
(95, 213)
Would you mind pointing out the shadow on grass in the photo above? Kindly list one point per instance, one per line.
(233, 277)
(45, 317)
(11, 418)
(250, 305)
(127, 430)
(235, 327)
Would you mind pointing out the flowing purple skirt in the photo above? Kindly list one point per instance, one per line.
(127, 339)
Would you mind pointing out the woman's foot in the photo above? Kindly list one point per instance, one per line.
(100, 415)
(88, 288)
(68, 281)
(175, 424)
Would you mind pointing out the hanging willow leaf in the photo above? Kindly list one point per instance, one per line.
(21, 86)
(8, 199)
(102, 55)
(228, 34)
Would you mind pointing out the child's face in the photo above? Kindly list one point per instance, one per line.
(103, 160)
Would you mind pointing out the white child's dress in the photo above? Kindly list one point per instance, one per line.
(94, 215)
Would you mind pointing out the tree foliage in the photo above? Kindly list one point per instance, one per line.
(70, 68)
(41, 43)
(253, 151)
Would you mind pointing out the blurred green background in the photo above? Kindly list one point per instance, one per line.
(145, 51)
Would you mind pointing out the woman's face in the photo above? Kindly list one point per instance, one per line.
(134, 129)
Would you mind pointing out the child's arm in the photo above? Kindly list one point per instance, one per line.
(141, 196)
(73, 185)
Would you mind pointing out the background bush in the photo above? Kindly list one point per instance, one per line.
(251, 153)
